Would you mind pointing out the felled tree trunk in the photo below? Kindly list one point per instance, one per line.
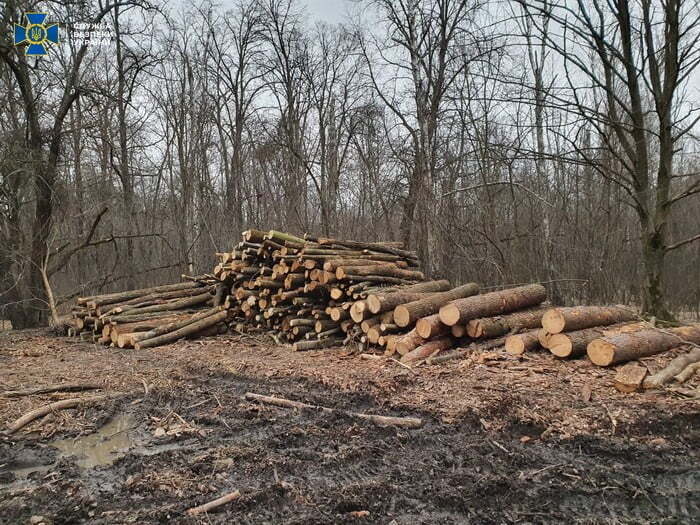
(494, 303)
(187, 330)
(557, 320)
(626, 347)
(488, 327)
(574, 344)
(407, 314)
(428, 349)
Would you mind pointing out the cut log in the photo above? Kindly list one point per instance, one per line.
(458, 330)
(318, 344)
(431, 326)
(358, 311)
(520, 343)
(494, 303)
(407, 342)
(429, 349)
(166, 328)
(187, 330)
(174, 305)
(407, 314)
(630, 377)
(620, 348)
(557, 320)
(228, 498)
(383, 303)
(574, 344)
(543, 337)
(99, 300)
(673, 369)
(488, 327)
(385, 269)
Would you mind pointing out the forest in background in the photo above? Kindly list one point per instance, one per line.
(548, 141)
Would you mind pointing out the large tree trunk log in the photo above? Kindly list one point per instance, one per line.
(332, 265)
(189, 329)
(383, 303)
(431, 326)
(407, 314)
(428, 349)
(156, 298)
(520, 343)
(557, 320)
(574, 344)
(375, 247)
(494, 303)
(626, 347)
(488, 327)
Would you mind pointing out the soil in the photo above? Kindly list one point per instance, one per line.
(505, 439)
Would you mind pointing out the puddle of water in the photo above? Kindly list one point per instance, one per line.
(103, 447)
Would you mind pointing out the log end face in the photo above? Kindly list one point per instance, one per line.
(449, 314)
(423, 328)
(600, 352)
(553, 321)
(560, 345)
(402, 317)
(373, 304)
(514, 345)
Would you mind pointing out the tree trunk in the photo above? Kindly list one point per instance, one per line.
(488, 327)
(574, 344)
(494, 303)
(626, 347)
(557, 320)
(407, 314)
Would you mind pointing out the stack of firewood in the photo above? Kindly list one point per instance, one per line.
(302, 290)
(149, 317)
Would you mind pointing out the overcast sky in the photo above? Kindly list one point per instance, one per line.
(332, 11)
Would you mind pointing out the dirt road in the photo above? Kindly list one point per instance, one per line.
(505, 440)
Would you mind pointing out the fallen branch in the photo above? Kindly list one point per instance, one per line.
(674, 368)
(68, 387)
(688, 372)
(58, 405)
(233, 496)
(405, 422)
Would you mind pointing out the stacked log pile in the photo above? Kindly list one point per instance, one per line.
(151, 316)
(302, 291)
(317, 293)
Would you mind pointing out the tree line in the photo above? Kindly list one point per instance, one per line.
(536, 140)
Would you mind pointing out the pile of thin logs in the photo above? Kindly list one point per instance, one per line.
(149, 317)
(302, 291)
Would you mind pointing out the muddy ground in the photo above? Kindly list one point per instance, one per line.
(505, 440)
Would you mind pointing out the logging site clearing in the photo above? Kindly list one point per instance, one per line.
(505, 438)
(312, 380)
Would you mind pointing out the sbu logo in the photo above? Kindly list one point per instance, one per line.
(36, 33)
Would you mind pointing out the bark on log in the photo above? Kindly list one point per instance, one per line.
(189, 329)
(318, 344)
(494, 303)
(557, 320)
(389, 270)
(65, 387)
(574, 344)
(431, 326)
(619, 348)
(172, 326)
(429, 349)
(174, 305)
(99, 300)
(518, 344)
(383, 303)
(488, 327)
(404, 422)
(407, 314)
